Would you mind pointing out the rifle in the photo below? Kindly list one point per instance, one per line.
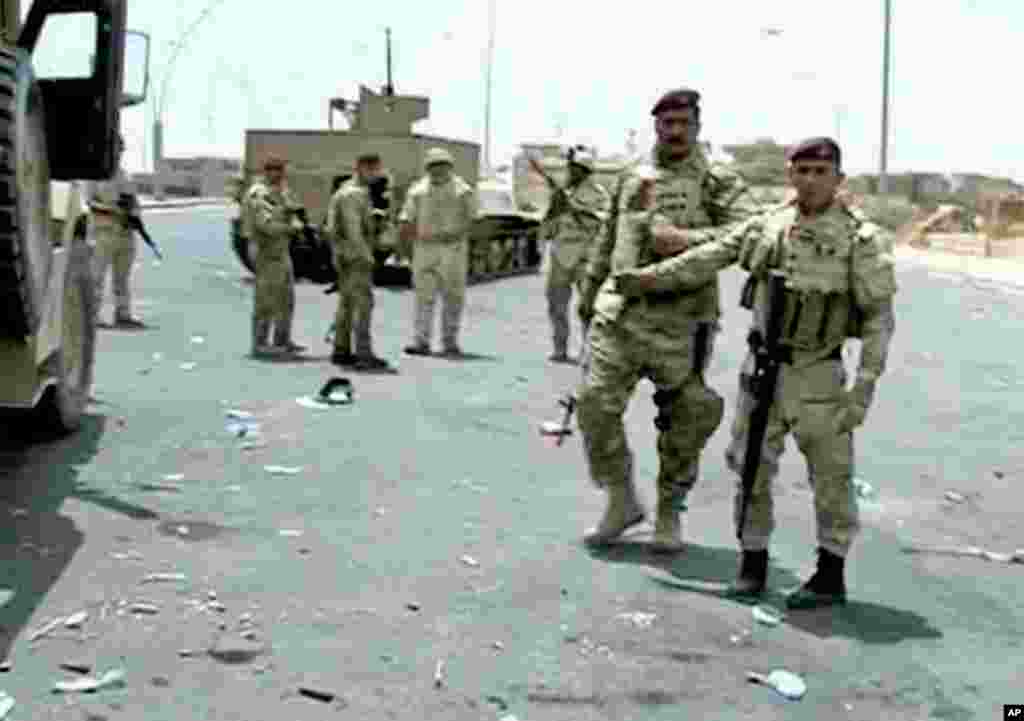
(767, 361)
(560, 198)
(130, 220)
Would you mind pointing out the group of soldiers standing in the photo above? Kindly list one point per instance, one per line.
(644, 259)
(436, 218)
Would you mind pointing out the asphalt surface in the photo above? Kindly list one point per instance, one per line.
(429, 521)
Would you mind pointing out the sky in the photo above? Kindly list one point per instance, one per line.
(582, 71)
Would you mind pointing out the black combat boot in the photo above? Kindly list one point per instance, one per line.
(826, 587)
(753, 575)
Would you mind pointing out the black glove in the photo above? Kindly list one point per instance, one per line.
(300, 213)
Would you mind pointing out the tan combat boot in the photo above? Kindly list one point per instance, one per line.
(622, 513)
(668, 529)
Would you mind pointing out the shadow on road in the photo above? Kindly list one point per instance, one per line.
(467, 357)
(866, 622)
(37, 542)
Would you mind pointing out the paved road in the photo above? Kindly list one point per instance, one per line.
(430, 522)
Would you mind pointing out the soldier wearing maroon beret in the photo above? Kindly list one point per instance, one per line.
(839, 284)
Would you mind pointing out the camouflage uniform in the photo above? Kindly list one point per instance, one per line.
(442, 216)
(269, 220)
(665, 337)
(840, 283)
(115, 244)
(571, 233)
(349, 222)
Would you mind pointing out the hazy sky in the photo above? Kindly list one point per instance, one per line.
(594, 69)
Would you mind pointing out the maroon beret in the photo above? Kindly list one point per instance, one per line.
(816, 149)
(677, 99)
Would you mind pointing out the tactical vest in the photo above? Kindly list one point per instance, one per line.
(816, 255)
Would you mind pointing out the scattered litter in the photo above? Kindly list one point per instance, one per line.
(114, 677)
(497, 645)
(174, 477)
(76, 620)
(160, 577)
(324, 696)
(6, 704)
(497, 701)
(198, 339)
(234, 489)
(998, 474)
(469, 561)
(638, 619)
(45, 629)
(554, 428)
(249, 635)
(848, 706)
(787, 684)
(217, 606)
(413, 606)
(864, 489)
(126, 556)
(767, 615)
(336, 391)
(5, 667)
(290, 532)
(147, 608)
(954, 497)
(181, 530)
(81, 668)
(310, 402)
(158, 357)
(508, 717)
(245, 618)
(969, 551)
(186, 653)
(19, 512)
(241, 429)
(168, 487)
(439, 674)
(187, 366)
(160, 681)
(283, 470)
(743, 638)
(239, 415)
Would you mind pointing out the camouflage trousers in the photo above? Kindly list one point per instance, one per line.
(439, 269)
(561, 278)
(807, 404)
(689, 411)
(115, 250)
(273, 300)
(355, 309)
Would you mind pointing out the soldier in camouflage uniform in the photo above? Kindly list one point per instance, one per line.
(350, 226)
(572, 225)
(840, 282)
(109, 202)
(271, 216)
(678, 199)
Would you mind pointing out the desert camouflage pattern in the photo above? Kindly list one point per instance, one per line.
(658, 337)
(270, 224)
(114, 244)
(840, 283)
(350, 229)
(570, 237)
(442, 217)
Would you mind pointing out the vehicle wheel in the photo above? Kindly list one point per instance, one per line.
(61, 408)
(25, 247)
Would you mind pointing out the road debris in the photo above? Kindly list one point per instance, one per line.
(164, 577)
(413, 606)
(469, 561)
(198, 339)
(6, 704)
(283, 470)
(174, 477)
(45, 629)
(290, 532)
(323, 696)
(76, 620)
(787, 684)
(439, 674)
(498, 701)
(310, 402)
(167, 487)
(19, 513)
(5, 667)
(638, 619)
(968, 551)
(865, 490)
(187, 366)
(767, 615)
(149, 609)
(114, 677)
(81, 668)
(954, 497)
(497, 645)
(126, 556)
(186, 653)
(336, 391)
(743, 638)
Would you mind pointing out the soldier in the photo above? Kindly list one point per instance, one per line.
(110, 202)
(352, 231)
(665, 337)
(574, 221)
(839, 283)
(439, 210)
(271, 214)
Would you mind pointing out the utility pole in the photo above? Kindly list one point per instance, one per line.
(487, 96)
(389, 89)
(883, 179)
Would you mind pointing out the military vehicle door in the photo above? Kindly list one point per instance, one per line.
(78, 54)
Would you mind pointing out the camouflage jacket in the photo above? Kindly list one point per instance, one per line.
(349, 224)
(269, 221)
(692, 194)
(103, 195)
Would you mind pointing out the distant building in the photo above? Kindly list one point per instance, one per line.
(201, 176)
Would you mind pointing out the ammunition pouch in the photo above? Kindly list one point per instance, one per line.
(664, 400)
(755, 341)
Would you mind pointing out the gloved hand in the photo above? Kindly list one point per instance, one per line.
(634, 282)
(854, 408)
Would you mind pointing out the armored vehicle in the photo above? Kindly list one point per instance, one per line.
(62, 78)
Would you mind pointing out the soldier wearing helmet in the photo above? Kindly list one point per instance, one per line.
(679, 200)
(438, 213)
(574, 220)
(271, 217)
(109, 202)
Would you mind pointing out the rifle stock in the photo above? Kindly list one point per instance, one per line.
(763, 384)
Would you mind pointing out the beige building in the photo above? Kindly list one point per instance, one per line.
(204, 177)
